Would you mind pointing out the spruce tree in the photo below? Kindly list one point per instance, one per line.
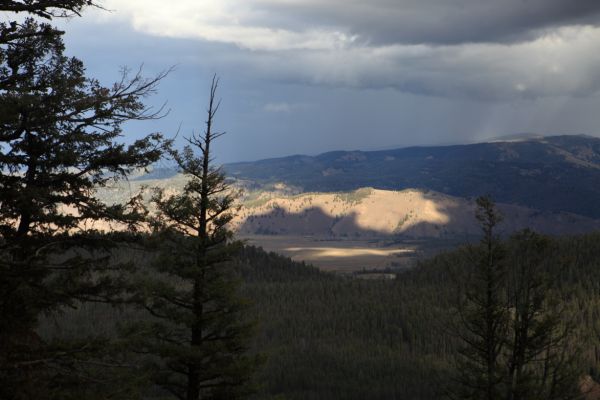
(59, 141)
(483, 315)
(198, 334)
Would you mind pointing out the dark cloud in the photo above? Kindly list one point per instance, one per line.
(484, 50)
(566, 63)
(414, 77)
(431, 21)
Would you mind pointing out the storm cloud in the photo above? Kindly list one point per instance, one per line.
(306, 76)
(323, 24)
(485, 50)
(385, 22)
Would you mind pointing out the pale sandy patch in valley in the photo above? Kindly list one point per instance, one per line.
(343, 256)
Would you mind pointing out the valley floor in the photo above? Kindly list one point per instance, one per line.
(350, 255)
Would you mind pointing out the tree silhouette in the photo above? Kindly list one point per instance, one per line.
(515, 342)
(483, 315)
(199, 334)
(47, 8)
(59, 142)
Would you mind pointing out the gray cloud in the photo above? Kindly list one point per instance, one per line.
(384, 22)
(490, 50)
(565, 63)
(297, 79)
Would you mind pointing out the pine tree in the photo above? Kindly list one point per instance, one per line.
(483, 315)
(541, 357)
(59, 142)
(514, 341)
(198, 335)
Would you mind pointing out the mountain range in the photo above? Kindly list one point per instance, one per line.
(551, 184)
(551, 174)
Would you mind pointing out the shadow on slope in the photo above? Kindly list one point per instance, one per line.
(441, 217)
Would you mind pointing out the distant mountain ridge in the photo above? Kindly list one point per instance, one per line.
(556, 174)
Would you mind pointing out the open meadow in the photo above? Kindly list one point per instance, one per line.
(351, 255)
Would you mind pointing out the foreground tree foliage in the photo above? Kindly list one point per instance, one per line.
(12, 31)
(46, 8)
(58, 139)
(198, 336)
(515, 341)
(59, 133)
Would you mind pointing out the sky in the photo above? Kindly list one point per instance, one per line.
(310, 76)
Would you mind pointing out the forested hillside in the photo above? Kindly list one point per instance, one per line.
(326, 336)
(332, 337)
